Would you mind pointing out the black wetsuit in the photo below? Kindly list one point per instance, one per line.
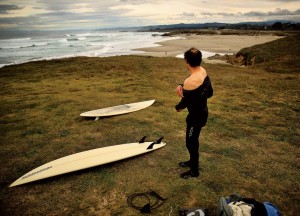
(196, 103)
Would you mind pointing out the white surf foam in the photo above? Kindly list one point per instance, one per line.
(54, 45)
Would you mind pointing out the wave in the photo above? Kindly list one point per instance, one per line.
(98, 52)
(76, 39)
(14, 43)
(96, 34)
(90, 34)
(69, 45)
(76, 45)
(15, 39)
(96, 44)
(70, 35)
(72, 39)
(36, 45)
(8, 46)
(65, 40)
(16, 46)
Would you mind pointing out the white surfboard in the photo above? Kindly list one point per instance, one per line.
(87, 159)
(117, 110)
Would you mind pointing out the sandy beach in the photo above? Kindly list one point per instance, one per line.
(221, 44)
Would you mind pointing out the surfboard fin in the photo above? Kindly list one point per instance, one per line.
(143, 139)
(97, 118)
(151, 145)
(157, 142)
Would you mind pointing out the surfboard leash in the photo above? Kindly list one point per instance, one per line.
(153, 199)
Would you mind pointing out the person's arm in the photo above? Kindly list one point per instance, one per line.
(179, 90)
(210, 91)
(181, 105)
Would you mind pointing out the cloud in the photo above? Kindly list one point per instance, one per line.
(283, 12)
(139, 2)
(277, 12)
(284, 1)
(62, 14)
(66, 19)
(5, 9)
(186, 14)
(224, 14)
(66, 5)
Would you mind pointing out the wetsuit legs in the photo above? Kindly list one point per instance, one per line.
(192, 144)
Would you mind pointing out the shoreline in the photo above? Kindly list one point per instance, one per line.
(218, 44)
(208, 44)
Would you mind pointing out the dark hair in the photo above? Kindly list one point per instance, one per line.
(193, 57)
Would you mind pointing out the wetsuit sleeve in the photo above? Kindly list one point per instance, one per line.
(210, 91)
(182, 104)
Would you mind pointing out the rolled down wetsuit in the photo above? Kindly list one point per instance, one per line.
(196, 102)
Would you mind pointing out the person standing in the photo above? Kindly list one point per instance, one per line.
(194, 93)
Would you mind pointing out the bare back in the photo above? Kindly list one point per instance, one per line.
(195, 79)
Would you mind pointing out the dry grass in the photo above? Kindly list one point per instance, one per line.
(250, 145)
(280, 56)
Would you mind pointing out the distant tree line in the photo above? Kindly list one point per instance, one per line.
(275, 26)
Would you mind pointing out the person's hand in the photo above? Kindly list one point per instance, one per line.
(179, 91)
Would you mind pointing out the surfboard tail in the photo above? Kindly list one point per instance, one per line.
(156, 142)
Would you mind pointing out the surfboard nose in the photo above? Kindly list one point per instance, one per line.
(118, 110)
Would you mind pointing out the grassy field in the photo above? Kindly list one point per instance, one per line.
(276, 56)
(250, 144)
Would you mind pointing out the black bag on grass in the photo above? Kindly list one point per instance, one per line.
(223, 208)
(192, 212)
(258, 208)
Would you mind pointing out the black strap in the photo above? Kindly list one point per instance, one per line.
(153, 199)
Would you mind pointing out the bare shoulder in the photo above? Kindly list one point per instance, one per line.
(195, 80)
(203, 71)
(191, 83)
(188, 84)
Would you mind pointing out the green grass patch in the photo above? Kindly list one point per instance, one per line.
(249, 146)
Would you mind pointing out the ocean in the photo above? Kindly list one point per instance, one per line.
(21, 47)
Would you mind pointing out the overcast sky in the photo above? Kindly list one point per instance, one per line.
(95, 14)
